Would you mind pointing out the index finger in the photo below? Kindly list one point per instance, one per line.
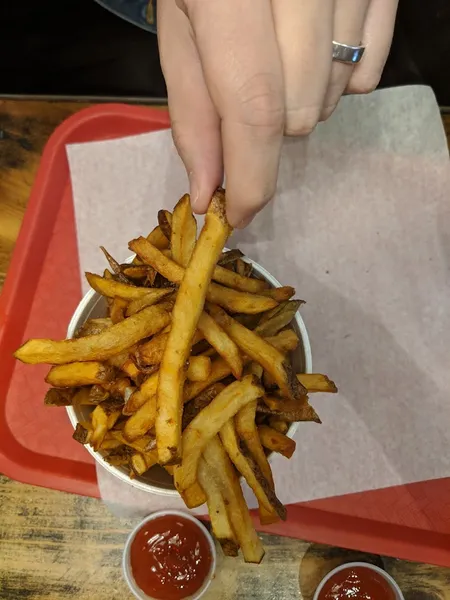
(242, 67)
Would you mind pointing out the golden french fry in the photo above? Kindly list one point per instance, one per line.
(93, 326)
(280, 294)
(184, 232)
(230, 299)
(136, 272)
(239, 282)
(276, 441)
(116, 289)
(151, 352)
(185, 315)
(243, 461)
(109, 444)
(221, 342)
(146, 392)
(285, 341)
(117, 309)
(101, 346)
(141, 421)
(153, 296)
(140, 462)
(217, 509)
(144, 444)
(227, 479)
(262, 352)
(165, 222)
(158, 239)
(199, 368)
(316, 382)
(103, 419)
(209, 422)
(247, 431)
(79, 373)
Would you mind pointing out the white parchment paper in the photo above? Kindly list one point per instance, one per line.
(361, 227)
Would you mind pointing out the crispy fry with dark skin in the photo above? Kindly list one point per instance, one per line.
(209, 422)
(184, 232)
(229, 256)
(59, 397)
(247, 431)
(276, 319)
(116, 289)
(228, 481)
(79, 373)
(260, 351)
(278, 424)
(101, 346)
(276, 441)
(240, 455)
(165, 222)
(103, 419)
(233, 300)
(81, 434)
(220, 523)
(192, 408)
(289, 410)
(115, 267)
(185, 315)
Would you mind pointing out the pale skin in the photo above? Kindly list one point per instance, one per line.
(241, 74)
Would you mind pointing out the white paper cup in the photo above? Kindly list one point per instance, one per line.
(126, 564)
(157, 480)
(389, 580)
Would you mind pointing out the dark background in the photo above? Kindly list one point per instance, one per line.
(75, 47)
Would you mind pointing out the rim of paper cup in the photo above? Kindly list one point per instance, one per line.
(126, 563)
(388, 578)
(75, 323)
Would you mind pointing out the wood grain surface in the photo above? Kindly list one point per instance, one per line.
(57, 546)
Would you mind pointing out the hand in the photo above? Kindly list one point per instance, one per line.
(241, 73)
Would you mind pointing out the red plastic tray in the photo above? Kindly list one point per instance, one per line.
(40, 294)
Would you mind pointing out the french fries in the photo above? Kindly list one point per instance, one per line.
(99, 346)
(276, 441)
(199, 368)
(185, 316)
(189, 369)
(79, 373)
(209, 422)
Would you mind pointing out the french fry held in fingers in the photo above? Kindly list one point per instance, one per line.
(189, 369)
(185, 316)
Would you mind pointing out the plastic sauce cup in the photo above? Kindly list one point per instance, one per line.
(126, 561)
(387, 578)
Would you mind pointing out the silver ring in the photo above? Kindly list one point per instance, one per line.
(347, 54)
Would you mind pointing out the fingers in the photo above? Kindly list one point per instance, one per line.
(349, 19)
(195, 122)
(377, 37)
(242, 67)
(304, 33)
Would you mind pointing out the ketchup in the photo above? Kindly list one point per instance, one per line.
(357, 583)
(170, 558)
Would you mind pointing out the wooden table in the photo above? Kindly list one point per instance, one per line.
(55, 545)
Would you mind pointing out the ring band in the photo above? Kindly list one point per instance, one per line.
(347, 54)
